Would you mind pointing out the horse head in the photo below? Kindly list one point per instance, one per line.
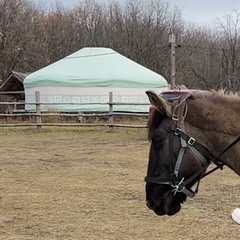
(180, 154)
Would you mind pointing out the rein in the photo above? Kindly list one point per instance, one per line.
(201, 153)
(219, 155)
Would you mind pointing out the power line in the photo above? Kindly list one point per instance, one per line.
(206, 48)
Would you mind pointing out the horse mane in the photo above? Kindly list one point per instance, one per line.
(218, 95)
(225, 93)
(221, 97)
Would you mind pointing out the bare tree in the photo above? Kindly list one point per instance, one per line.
(15, 19)
(229, 30)
(32, 37)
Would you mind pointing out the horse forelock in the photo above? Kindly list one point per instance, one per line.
(155, 120)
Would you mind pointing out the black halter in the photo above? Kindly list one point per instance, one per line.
(201, 153)
(179, 185)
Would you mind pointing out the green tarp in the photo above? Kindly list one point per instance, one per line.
(87, 76)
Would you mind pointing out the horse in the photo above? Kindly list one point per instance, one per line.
(187, 134)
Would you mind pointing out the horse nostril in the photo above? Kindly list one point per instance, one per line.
(149, 204)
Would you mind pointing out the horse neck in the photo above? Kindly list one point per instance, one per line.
(218, 122)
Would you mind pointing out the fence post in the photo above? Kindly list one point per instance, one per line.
(110, 103)
(38, 110)
(15, 105)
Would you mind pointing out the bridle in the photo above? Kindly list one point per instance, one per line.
(199, 151)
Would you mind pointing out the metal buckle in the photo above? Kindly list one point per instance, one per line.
(191, 141)
(177, 131)
(178, 187)
(175, 117)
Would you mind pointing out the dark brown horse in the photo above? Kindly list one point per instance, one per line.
(187, 135)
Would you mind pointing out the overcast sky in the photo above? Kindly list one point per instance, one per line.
(200, 12)
(206, 11)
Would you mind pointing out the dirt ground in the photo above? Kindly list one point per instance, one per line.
(88, 184)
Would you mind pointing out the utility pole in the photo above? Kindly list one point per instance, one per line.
(172, 44)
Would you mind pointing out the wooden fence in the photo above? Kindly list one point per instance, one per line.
(38, 115)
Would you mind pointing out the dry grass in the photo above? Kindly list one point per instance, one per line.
(88, 184)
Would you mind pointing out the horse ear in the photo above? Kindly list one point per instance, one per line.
(159, 103)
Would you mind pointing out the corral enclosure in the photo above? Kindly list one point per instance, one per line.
(87, 183)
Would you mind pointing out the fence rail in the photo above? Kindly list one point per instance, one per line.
(39, 116)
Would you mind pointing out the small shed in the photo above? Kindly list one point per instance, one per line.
(13, 82)
(12, 89)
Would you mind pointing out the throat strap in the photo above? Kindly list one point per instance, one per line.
(228, 147)
(199, 147)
